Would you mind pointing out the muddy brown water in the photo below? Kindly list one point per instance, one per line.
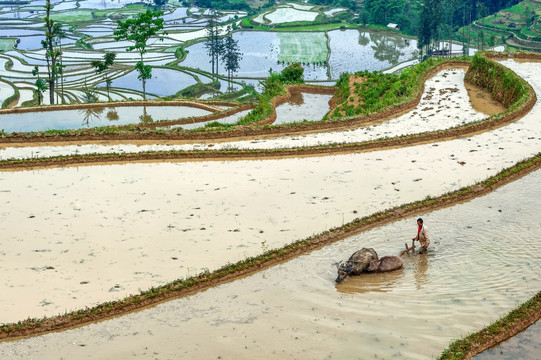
(109, 231)
(474, 273)
(482, 101)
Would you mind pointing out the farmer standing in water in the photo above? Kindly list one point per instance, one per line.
(422, 236)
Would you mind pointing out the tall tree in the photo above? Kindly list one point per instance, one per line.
(160, 3)
(214, 43)
(41, 85)
(482, 11)
(61, 35)
(52, 53)
(231, 56)
(139, 30)
(429, 25)
(451, 4)
(102, 66)
(384, 11)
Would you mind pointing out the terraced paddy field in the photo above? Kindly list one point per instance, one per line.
(81, 235)
(455, 289)
(445, 103)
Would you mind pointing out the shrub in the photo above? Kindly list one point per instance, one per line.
(294, 73)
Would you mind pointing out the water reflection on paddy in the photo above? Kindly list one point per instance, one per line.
(302, 106)
(354, 50)
(163, 82)
(474, 273)
(93, 117)
(349, 52)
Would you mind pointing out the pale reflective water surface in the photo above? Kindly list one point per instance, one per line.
(94, 117)
(81, 221)
(475, 271)
(302, 106)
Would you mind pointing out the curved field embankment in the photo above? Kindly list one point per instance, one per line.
(228, 273)
(217, 115)
(208, 105)
(520, 101)
(138, 132)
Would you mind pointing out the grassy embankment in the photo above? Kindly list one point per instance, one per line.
(509, 325)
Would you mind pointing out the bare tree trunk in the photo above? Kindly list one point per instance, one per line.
(61, 74)
(463, 31)
(49, 38)
(143, 79)
(451, 33)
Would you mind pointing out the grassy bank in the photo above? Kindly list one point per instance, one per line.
(502, 83)
(500, 330)
(379, 92)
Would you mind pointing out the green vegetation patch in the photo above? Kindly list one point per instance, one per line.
(304, 47)
(501, 82)
(6, 44)
(73, 16)
(517, 9)
(378, 91)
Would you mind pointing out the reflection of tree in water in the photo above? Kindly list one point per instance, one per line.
(387, 48)
(112, 114)
(296, 98)
(146, 118)
(91, 114)
(363, 38)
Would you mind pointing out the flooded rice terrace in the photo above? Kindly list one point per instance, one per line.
(108, 231)
(75, 237)
(94, 117)
(446, 102)
(302, 106)
(474, 273)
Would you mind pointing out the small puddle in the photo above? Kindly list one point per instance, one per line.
(302, 106)
(482, 101)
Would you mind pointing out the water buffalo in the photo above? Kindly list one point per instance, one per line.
(386, 263)
(357, 263)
